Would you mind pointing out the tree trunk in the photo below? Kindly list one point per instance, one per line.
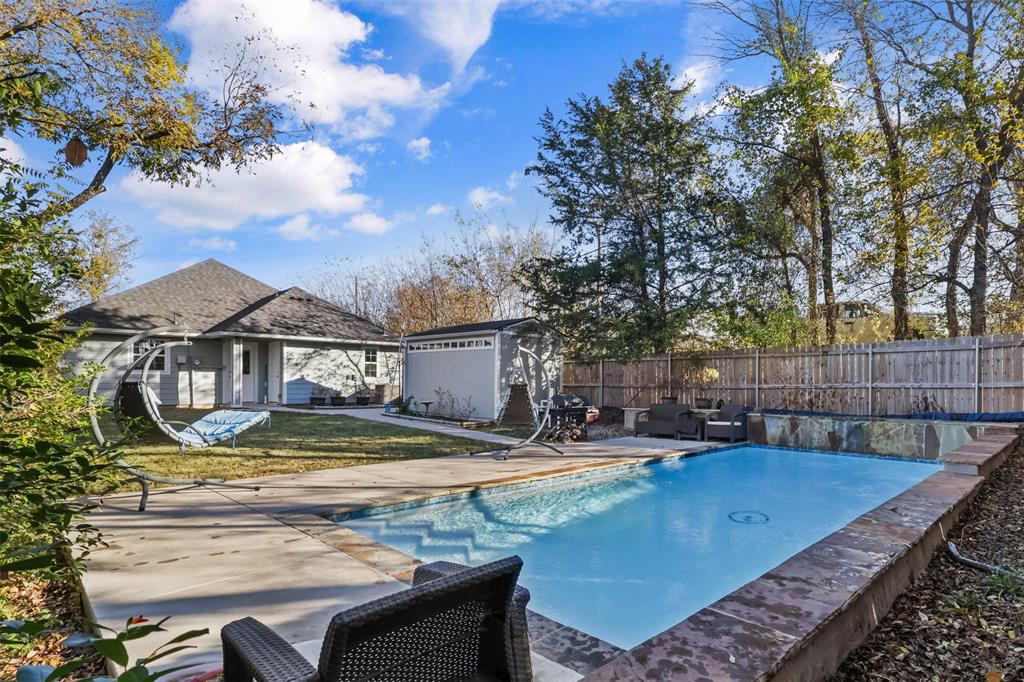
(827, 236)
(979, 284)
(1017, 276)
(956, 245)
(895, 177)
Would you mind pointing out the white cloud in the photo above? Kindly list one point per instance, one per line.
(304, 177)
(301, 229)
(306, 46)
(485, 197)
(214, 243)
(437, 209)
(368, 223)
(459, 27)
(370, 147)
(12, 151)
(704, 74)
(513, 180)
(420, 148)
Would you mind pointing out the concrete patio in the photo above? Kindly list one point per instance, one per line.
(208, 556)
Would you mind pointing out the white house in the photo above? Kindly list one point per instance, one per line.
(251, 344)
(469, 370)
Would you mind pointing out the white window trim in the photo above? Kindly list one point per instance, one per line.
(450, 345)
(137, 372)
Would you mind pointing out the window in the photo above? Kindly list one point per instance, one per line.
(370, 362)
(142, 347)
(246, 362)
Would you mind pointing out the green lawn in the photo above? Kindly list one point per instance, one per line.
(293, 443)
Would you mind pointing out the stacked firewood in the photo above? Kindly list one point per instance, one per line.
(567, 433)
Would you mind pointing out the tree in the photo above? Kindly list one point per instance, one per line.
(798, 118)
(970, 104)
(632, 186)
(106, 250)
(106, 79)
(471, 275)
(895, 167)
(44, 464)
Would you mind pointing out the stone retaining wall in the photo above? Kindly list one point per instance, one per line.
(898, 437)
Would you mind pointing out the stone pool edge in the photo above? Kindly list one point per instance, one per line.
(800, 620)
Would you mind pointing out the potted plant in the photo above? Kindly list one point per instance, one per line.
(318, 398)
(337, 399)
(363, 396)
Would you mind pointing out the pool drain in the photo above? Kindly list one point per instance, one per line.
(749, 517)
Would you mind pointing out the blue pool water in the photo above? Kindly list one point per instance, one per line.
(625, 556)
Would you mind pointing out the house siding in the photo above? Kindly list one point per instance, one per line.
(172, 384)
(467, 375)
(335, 367)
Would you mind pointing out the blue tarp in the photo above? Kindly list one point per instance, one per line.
(933, 416)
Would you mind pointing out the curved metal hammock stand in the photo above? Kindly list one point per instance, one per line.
(189, 436)
(520, 351)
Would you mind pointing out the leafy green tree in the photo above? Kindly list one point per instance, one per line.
(632, 183)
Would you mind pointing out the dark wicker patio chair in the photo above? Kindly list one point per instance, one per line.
(730, 423)
(665, 420)
(455, 623)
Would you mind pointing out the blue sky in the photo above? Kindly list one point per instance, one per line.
(422, 108)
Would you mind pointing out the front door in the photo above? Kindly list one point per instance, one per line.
(274, 372)
(249, 363)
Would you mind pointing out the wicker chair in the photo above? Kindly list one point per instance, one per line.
(666, 420)
(730, 423)
(455, 623)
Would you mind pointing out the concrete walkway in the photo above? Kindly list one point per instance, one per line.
(652, 443)
(377, 415)
(208, 556)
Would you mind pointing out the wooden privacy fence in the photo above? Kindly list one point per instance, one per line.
(967, 374)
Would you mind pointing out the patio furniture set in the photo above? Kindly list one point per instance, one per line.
(701, 422)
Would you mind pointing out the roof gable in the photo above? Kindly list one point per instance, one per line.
(211, 297)
(198, 297)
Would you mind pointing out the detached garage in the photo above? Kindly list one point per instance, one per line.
(468, 371)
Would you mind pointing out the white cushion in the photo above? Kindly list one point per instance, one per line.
(152, 396)
(719, 423)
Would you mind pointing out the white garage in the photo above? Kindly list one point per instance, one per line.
(468, 371)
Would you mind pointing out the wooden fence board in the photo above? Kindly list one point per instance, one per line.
(931, 375)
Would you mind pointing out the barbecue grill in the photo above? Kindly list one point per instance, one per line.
(571, 408)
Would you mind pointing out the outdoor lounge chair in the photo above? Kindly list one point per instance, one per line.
(667, 420)
(730, 423)
(454, 623)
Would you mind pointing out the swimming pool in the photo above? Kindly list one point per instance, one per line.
(626, 554)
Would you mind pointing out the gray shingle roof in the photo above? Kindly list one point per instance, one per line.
(492, 325)
(294, 312)
(210, 296)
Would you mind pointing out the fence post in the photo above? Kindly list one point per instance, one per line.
(757, 377)
(871, 379)
(669, 391)
(600, 380)
(977, 374)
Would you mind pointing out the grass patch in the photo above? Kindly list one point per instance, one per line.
(294, 443)
(512, 431)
